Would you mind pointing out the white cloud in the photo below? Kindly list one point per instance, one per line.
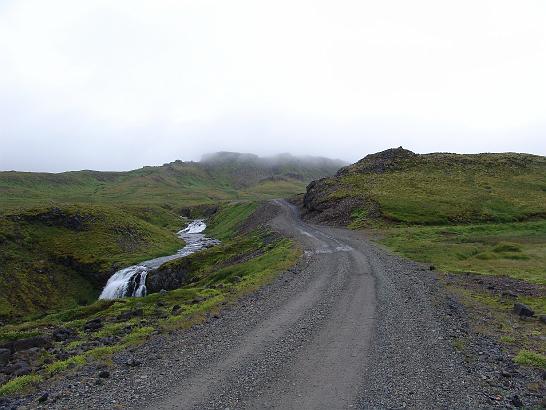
(334, 78)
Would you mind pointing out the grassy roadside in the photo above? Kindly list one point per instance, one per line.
(517, 250)
(217, 276)
(225, 222)
(494, 266)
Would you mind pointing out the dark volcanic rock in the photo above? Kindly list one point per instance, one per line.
(509, 294)
(30, 342)
(523, 310)
(19, 368)
(63, 334)
(516, 401)
(59, 217)
(169, 276)
(43, 397)
(131, 314)
(319, 207)
(199, 211)
(380, 162)
(104, 374)
(4, 356)
(108, 340)
(197, 299)
(93, 325)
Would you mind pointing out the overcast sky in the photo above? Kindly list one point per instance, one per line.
(116, 85)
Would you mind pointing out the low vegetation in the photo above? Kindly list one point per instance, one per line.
(220, 177)
(445, 189)
(20, 384)
(61, 256)
(525, 357)
(490, 307)
(225, 222)
(517, 250)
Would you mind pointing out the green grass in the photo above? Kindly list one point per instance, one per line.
(139, 335)
(62, 365)
(57, 257)
(508, 339)
(440, 189)
(102, 352)
(16, 335)
(225, 222)
(528, 358)
(175, 184)
(19, 384)
(459, 344)
(514, 249)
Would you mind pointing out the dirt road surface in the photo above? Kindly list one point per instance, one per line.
(351, 326)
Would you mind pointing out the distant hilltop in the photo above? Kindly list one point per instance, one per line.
(218, 176)
(279, 159)
(400, 186)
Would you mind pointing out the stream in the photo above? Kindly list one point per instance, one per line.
(131, 281)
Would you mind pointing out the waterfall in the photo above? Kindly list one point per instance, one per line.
(141, 290)
(131, 281)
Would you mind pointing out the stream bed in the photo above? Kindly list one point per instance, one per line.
(131, 281)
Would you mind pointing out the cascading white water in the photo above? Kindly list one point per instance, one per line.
(121, 282)
(131, 281)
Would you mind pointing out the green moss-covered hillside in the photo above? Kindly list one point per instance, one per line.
(218, 177)
(432, 189)
(63, 234)
(53, 257)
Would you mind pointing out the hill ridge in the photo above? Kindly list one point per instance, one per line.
(400, 186)
(170, 183)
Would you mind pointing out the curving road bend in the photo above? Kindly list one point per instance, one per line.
(351, 326)
(328, 323)
(317, 342)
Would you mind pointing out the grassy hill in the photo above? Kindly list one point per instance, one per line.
(218, 177)
(398, 186)
(62, 235)
(56, 257)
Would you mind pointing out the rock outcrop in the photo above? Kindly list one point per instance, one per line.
(323, 203)
(169, 276)
(380, 162)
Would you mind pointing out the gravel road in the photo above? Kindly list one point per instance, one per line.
(351, 326)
